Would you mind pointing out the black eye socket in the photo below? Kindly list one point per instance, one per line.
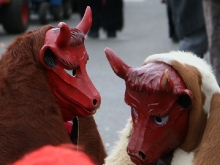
(74, 72)
(184, 101)
(50, 58)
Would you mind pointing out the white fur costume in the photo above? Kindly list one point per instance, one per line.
(183, 62)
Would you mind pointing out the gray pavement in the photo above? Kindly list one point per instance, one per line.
(145, 32)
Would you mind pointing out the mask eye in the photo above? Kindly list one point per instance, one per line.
(161, 120)
(71, 72)
(184, 101)
(74, 72)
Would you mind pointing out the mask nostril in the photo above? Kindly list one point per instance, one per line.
(95, 102)
(141, 155)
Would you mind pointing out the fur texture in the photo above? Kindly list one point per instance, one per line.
(209, 150)
(90, 140)
(118, 155)
(29, 115)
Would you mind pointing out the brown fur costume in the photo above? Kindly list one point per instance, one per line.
(29, 115)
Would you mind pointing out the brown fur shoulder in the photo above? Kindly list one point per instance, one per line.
(90, 140)
(208, 152)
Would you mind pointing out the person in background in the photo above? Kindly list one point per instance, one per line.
(212, 19)
(187, 25)
(106, 14)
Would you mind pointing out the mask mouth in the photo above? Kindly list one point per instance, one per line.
(136, 160)
(162, 161)
(80, 109)
(137, 157)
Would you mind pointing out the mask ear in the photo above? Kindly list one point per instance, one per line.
(118, 66)
(185, 99)
(47, 57)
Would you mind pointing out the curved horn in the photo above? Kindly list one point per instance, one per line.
(86, 21)
(64, 35)
(165, 81)
(118, 66)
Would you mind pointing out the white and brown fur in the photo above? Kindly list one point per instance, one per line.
(202, 143)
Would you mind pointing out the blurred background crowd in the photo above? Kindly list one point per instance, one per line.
(107, 14)
(195, 25)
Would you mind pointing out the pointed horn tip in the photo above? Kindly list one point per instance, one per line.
(109, 52)
(64, 35)
(88, 14)
(61, 24)
(166, 72)
(88, 10)
(165, 77)
(86, 21)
